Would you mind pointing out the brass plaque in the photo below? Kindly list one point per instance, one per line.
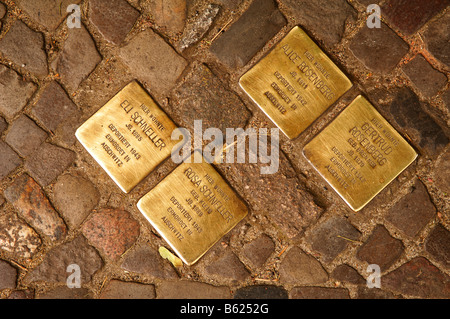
(295, 83)
(192, 208)
(359, 153)
(129, 136)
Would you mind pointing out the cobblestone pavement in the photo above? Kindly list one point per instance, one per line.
(300, 240)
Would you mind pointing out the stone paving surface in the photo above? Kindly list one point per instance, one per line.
(300, 240)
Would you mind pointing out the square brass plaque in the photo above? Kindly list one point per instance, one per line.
(359, 153)
(129, 136)
(192, 208)
(295, 83)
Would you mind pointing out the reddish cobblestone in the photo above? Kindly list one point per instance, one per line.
(67, 293)
(380, 50)
(169, 14)
(418, 278)
(112, 232)
(410, 15)
(33, 206)
(113, 19)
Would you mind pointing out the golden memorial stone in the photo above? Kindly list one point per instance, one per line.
(295, 83)
(192, 208)
(359, 153)
(129, 136)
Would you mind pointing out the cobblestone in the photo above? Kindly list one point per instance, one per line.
(78, 58)
(191, 290)
(48, 162)
(10, 161)
(16, 237)
(380, 50)
(160, 69)
(409, 113)
(24, 136)
(25, 47)
(422, 74)
(144, 260)
(332, 237)
(112, 232)
(381, 248)
(437, 38)
(195, 31)
(47, 12)
(127, 290)
(53, 268)
(228, 267)
(345, 273)
(75, 197)
(169, 14)
(21, 294)
(410, 15)
(411, 213)
(67, 293)
(33, 206)
(14, 93)
(249, 34)
(259, 250)
(53, 106)
(442, 172)
(3, 125)
(261, 292)
(326, 19)
(8, 276)
(203, 96)
(319, 293)
(418, 278)
(438, 245)
(300, 268)
(113, 26)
